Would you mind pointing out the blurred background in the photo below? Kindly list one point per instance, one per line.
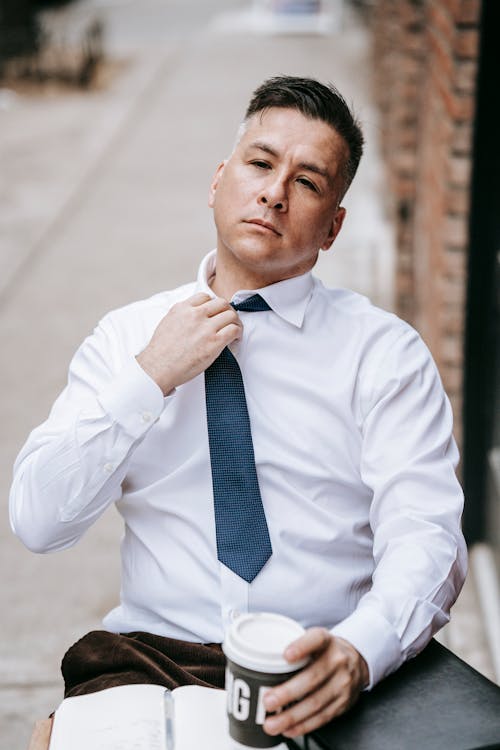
(113, 117)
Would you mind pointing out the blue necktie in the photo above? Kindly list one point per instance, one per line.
(243, 542)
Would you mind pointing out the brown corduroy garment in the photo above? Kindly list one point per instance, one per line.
(101, 660)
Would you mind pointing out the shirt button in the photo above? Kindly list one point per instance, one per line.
(234, 614)
(146, 417)
(109, 468)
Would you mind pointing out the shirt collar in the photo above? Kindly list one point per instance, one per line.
(287, 298)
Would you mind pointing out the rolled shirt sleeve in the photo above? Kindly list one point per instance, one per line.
(408, 460)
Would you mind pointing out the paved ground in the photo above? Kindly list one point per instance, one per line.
(103, 201)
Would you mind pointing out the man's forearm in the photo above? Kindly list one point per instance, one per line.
(72, 466)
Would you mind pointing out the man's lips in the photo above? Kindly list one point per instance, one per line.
(264, 224)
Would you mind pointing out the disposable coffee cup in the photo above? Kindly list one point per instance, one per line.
(254, 646)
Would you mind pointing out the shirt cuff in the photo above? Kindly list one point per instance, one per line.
(374, 638)
(133, 399)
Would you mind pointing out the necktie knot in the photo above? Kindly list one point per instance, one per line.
(255, 303)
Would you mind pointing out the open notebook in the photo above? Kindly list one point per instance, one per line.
(144, 717)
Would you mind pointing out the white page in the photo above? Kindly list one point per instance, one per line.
(201, 721)
(200, 718)
(130, 717)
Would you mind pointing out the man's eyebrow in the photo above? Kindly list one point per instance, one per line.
(308, 166)
(264, 147)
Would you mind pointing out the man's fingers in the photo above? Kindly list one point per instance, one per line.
(316, 702)
(228, 334)
(199, 299)
(216, 308)
(323, 689)
(300, 685)
(215, 305)
(211, 305)
(225, 318)
(313, 641)
(219, 312)
(296, 687)
(328, 659)
(321, 717)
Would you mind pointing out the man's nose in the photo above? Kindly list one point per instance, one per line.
(274, 196)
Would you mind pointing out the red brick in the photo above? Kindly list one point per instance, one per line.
(455, 232)
(411, 14)
(457, 406)
(463, 11)
(441, 52)
(405, 262)
(453, 378)
(425, 81)
(452, 291)
(455, 268)
(451, 323)
(410, 90)
(460, 107)
(452, 7)
(439, 18)
(405, 162)
(457, 201)
(457, 409)
(462, 138)
(466, 42)
(451, 349)
(459, 171)
(415, 44)
(405, 307)
(469, 12)
(465, 76)
(405, 289)
(409, 68)
(404, 187)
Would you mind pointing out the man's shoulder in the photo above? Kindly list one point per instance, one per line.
(356, 309)
(368, 333)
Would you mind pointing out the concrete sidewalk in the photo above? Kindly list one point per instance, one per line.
(104, 202)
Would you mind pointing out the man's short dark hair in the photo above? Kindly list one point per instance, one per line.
(319, 102)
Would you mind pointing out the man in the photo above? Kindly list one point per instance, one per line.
(351, 436)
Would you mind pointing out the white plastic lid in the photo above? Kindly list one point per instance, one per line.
(257, 641)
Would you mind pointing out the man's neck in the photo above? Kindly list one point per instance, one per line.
(225, 282)
(230, 278)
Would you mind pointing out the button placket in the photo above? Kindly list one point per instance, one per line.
(234, 596)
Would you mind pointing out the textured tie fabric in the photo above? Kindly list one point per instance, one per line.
(243, 542)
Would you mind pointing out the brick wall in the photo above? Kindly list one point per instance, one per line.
(425, 62)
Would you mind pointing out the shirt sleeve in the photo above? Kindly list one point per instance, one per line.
(420, 557)
(72, 466)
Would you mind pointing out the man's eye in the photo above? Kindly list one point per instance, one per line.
(261, 164)
(307, 184)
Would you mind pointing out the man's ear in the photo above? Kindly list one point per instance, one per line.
(335, 228)
(215, 183)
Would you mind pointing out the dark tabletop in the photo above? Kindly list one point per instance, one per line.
(433, 702)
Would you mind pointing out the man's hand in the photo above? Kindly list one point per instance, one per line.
(325, 688)
(188, 339)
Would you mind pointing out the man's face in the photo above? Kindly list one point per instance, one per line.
(275, 199)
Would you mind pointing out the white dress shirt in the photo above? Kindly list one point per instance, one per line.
(355, 460)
